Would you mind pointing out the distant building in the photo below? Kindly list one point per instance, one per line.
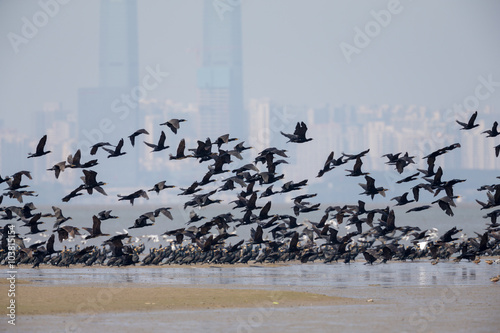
(110, 111)
(219, 81)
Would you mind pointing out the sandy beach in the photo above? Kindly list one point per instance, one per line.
(102, 300)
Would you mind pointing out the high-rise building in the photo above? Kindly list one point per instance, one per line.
(220, 88)
(113, 105)
(109, 111)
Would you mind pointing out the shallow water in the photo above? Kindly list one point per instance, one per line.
(419, 273)
(408, 297)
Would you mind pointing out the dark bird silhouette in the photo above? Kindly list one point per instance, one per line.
(445, 203)
(370, 259)
(223, 139)
(174, 124)
(163, 210)
(117, 151)
(66, 232)
(142, 221)
(74, 161)
(370, 188)
(58, 168)
(355, 156)
(74, 193)
(160, 186)
(116, 244)
(95, 231)
(91, 183)
(180, 151)
(40, 148)
(133, 196)
(493, 132)
(161, 143)
(327, 166)
(408, 179)
(106, 215)
(418, 209)
(402, 200)
(240, 147)
(191, 189)
(94, 148)
(299, 135)
(470, 124)
(356, 171)
(493, 199)
(60, 218)
(193, 217)
(291, 186)
(443, 150)
(14, 181)
(135, 134)
(497, 150)
(33, 225)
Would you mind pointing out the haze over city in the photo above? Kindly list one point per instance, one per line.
(385, 75)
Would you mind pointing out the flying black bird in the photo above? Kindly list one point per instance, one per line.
(497, 150)
(493, 132)
(193, 217)
(135, 134)
(105, 215)
(60, 218)
(14, 181)
(445, 203)
(160, 186)
(180, 151)
(74, 193)
(418, 209)
(402, 200)
(223, 139)
(117, 151)
(58, 168)
(94, 148)
(161, 143)
(370, 188)
(408, 179)
(133, 196)
(239, 147)
(470, 124)
(91, 183)
(95, 231)
(355, 156)
(493, 199)
(327, 166)
(74, 161)
(66, 232)
(299, 135)
(174, 124)
(40, 148)
(356, 171)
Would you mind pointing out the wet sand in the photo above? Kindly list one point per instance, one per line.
(469, 303)
(43, 300)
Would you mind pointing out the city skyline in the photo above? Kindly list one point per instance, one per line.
(352, 94)
(297, 56)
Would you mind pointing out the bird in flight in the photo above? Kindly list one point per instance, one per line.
(299, 135)
(470, 124)
(40, 148)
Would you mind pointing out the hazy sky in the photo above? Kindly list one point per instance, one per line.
(428, 53)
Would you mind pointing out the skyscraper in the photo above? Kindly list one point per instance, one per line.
(110, 111)
(101, 110)
(220, 88)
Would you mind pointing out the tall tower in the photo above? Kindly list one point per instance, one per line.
(220, 88)
(110, 111)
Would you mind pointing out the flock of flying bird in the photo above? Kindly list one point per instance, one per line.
(375, 234)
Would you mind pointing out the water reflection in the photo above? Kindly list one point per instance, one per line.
(332, 275)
